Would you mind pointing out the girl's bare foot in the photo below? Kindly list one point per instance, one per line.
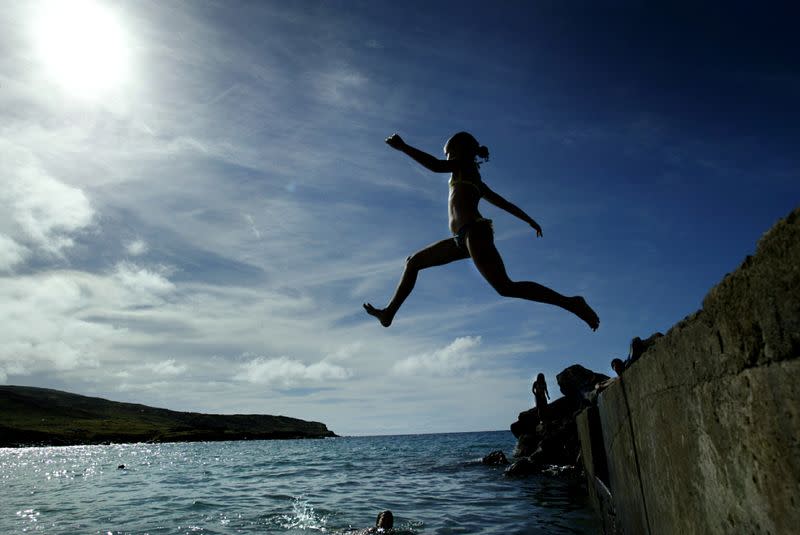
(581, 309)
(383, 316)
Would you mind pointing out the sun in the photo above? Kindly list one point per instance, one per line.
(82, 46)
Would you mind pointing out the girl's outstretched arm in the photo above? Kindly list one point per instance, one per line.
(509, 207)
(423, 158)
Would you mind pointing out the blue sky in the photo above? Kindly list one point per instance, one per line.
(197, 197)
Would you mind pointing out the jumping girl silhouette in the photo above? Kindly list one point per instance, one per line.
(473, 236)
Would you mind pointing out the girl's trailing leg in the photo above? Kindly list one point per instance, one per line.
(480, 242)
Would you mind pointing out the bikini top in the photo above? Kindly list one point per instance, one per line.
(474, 181)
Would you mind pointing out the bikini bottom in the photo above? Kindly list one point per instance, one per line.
(461, 236)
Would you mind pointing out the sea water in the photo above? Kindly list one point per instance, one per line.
(432, 484)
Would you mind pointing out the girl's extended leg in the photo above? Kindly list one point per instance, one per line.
(480, 242)
(440, 253)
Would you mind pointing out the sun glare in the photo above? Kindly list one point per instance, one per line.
(82, 45)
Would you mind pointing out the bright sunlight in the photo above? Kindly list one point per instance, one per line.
(82, 45)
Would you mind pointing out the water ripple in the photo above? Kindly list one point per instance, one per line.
(433, 483)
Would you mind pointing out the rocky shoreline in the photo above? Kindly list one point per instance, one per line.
(551, 445)
(699, 434)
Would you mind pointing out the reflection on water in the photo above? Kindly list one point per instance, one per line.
(432, 483)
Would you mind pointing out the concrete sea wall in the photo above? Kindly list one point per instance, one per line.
(702, 433)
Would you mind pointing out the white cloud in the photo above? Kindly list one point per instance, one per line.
(11, 253)
(140, 387)
(38, 209)
(167, 368)
(345, 352)
(149, 286)
(286, 373)
(449, 360)
(136, 247)
(42, 328)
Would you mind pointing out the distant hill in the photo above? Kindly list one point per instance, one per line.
(39, 416)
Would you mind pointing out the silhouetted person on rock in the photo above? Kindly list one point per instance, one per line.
(473, 236)
(637, 348)
(541, 395)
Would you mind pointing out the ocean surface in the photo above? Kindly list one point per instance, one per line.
(432, 484)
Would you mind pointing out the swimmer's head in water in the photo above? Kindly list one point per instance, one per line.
(385, 520)
(463, 145)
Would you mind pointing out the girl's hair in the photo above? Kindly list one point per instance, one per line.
(468, 142)
(540, 378)
(385, 520)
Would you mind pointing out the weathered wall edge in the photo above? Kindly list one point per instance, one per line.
(702, 434)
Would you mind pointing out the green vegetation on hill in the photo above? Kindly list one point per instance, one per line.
(40, 416)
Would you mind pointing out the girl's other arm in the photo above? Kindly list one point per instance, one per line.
(511, 208)
(423, 158)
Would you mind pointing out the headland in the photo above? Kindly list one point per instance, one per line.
(43, 417)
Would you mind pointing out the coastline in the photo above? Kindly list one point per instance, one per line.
(432, 483)
(32, 416)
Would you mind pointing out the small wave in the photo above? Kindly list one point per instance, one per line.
(199, 505)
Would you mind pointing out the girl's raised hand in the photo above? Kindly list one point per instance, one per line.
(537, 228)
(395, 141)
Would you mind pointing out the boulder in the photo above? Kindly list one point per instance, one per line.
(495, 458)
(577, 382)
(526, 423)
(527, 444)
(553, 441)
(525, 466)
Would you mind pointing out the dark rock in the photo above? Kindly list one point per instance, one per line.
(526, 422)
(561, 409)
(577, 382)
(526, 445)
(553, 441)
(524, 466)
(495, 458)
(560, 444)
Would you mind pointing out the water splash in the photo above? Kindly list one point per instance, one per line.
(303, 516)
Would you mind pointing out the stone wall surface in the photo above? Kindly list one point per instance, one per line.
(702, 433)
